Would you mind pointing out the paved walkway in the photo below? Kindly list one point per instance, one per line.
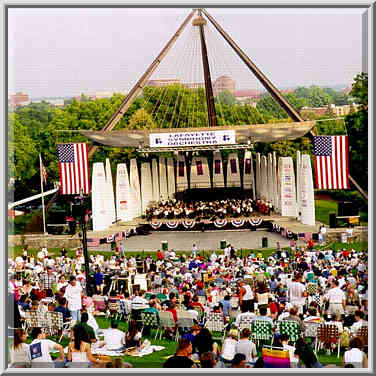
(208, 240)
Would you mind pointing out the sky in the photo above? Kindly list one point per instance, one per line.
(65, 52)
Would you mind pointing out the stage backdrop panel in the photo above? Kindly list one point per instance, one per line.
(99, 198)
(264, 178)
(155, 177)
(233, 171)
(306, 192)
(181, 174)
(122, 193)
(218, 175)
(110, 187)
(163, 190)
(146, 186)
(287, 181)
(200, 176)
(258, 175)
(171, 186)
(134, 181)
(270, 178)
(248, 177)
(275, 183)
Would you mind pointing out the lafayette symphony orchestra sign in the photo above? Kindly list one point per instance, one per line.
(164, 140)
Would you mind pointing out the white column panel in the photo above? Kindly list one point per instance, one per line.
(122, 193)
(171, 178)
(163, 191)
(146, 186)
(200, 176)
(110, 187)
(233, 177)
(218, 175)
(181, 174)
(134, 181)
(258, 175)
(288, 195)
(307, 195)
(248, 178)
(155, 174)
(264, 178)
(99, 197)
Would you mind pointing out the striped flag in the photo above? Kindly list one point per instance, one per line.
(43, 170)
(331, 162)
(74, 168)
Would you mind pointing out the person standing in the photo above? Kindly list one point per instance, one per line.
(194, 251)
(323, 234)
(74, 294)
(297, 293)
(47, 280)
(336, 298)
(246, 298)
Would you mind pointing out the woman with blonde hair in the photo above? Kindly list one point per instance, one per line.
(20, 350)
(229, 348)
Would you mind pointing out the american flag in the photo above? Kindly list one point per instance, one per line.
(43, 170)
(93, 242)
(74, 168)
(331, 162)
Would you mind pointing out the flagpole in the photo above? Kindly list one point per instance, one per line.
(41, 187)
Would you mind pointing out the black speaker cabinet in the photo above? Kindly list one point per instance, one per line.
(347, 208)
(315, 237)
(332, 220)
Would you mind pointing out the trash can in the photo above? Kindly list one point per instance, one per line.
(165, 246)
(343, 237)
(265, 242)
(223, 244)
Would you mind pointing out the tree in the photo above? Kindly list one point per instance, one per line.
(141, 119)
(225, 97)
(357, 129)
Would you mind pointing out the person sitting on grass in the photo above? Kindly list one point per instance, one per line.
(305, 354)
(79, 350)
(181, 359)
(40, 348)
(20, 350)
(114, 339)
(192, 334)
(118, 363)
(228, 348)
(133, 336)
(207, 360)
(62, 307)
(90, 331)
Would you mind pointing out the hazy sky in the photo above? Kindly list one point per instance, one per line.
(62, 52)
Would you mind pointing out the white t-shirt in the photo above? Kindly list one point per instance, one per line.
(114, 339)
(73, 295)
(39, 350)
(228, 349)
(21, 355)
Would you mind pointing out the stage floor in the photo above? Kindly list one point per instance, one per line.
(208, 240)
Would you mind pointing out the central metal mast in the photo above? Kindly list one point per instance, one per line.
(201, 22)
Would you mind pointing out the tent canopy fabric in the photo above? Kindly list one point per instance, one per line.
(257, 132)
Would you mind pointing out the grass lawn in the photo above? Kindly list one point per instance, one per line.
(157, 359)
(324, 207)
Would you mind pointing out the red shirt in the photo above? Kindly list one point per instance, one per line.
(174, 314)
(198, 304)
(160, 256)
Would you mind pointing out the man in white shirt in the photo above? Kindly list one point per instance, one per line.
(336, 298)
(359, 322)
(323, 234)
(74, 294)
(40, 348)
(297, 293)
(114, 339)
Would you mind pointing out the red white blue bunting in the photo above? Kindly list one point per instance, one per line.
(172, 224)
(188, 223)
(238, 222)
(219, 223)
(156, 224)
(255, 221)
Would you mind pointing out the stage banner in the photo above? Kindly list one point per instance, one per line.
(188, 223)
(255, 221)
(219, 223)
(164, 140)
(156, 224)
(238, 222)
(305, 191)
(288, 191)
(172, 224)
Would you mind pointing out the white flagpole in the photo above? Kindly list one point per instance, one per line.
(41, 187)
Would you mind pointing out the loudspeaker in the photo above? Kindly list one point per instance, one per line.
(332, 220)
(265, 242)
(347, 208)
(76, 211)
(315, 237)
